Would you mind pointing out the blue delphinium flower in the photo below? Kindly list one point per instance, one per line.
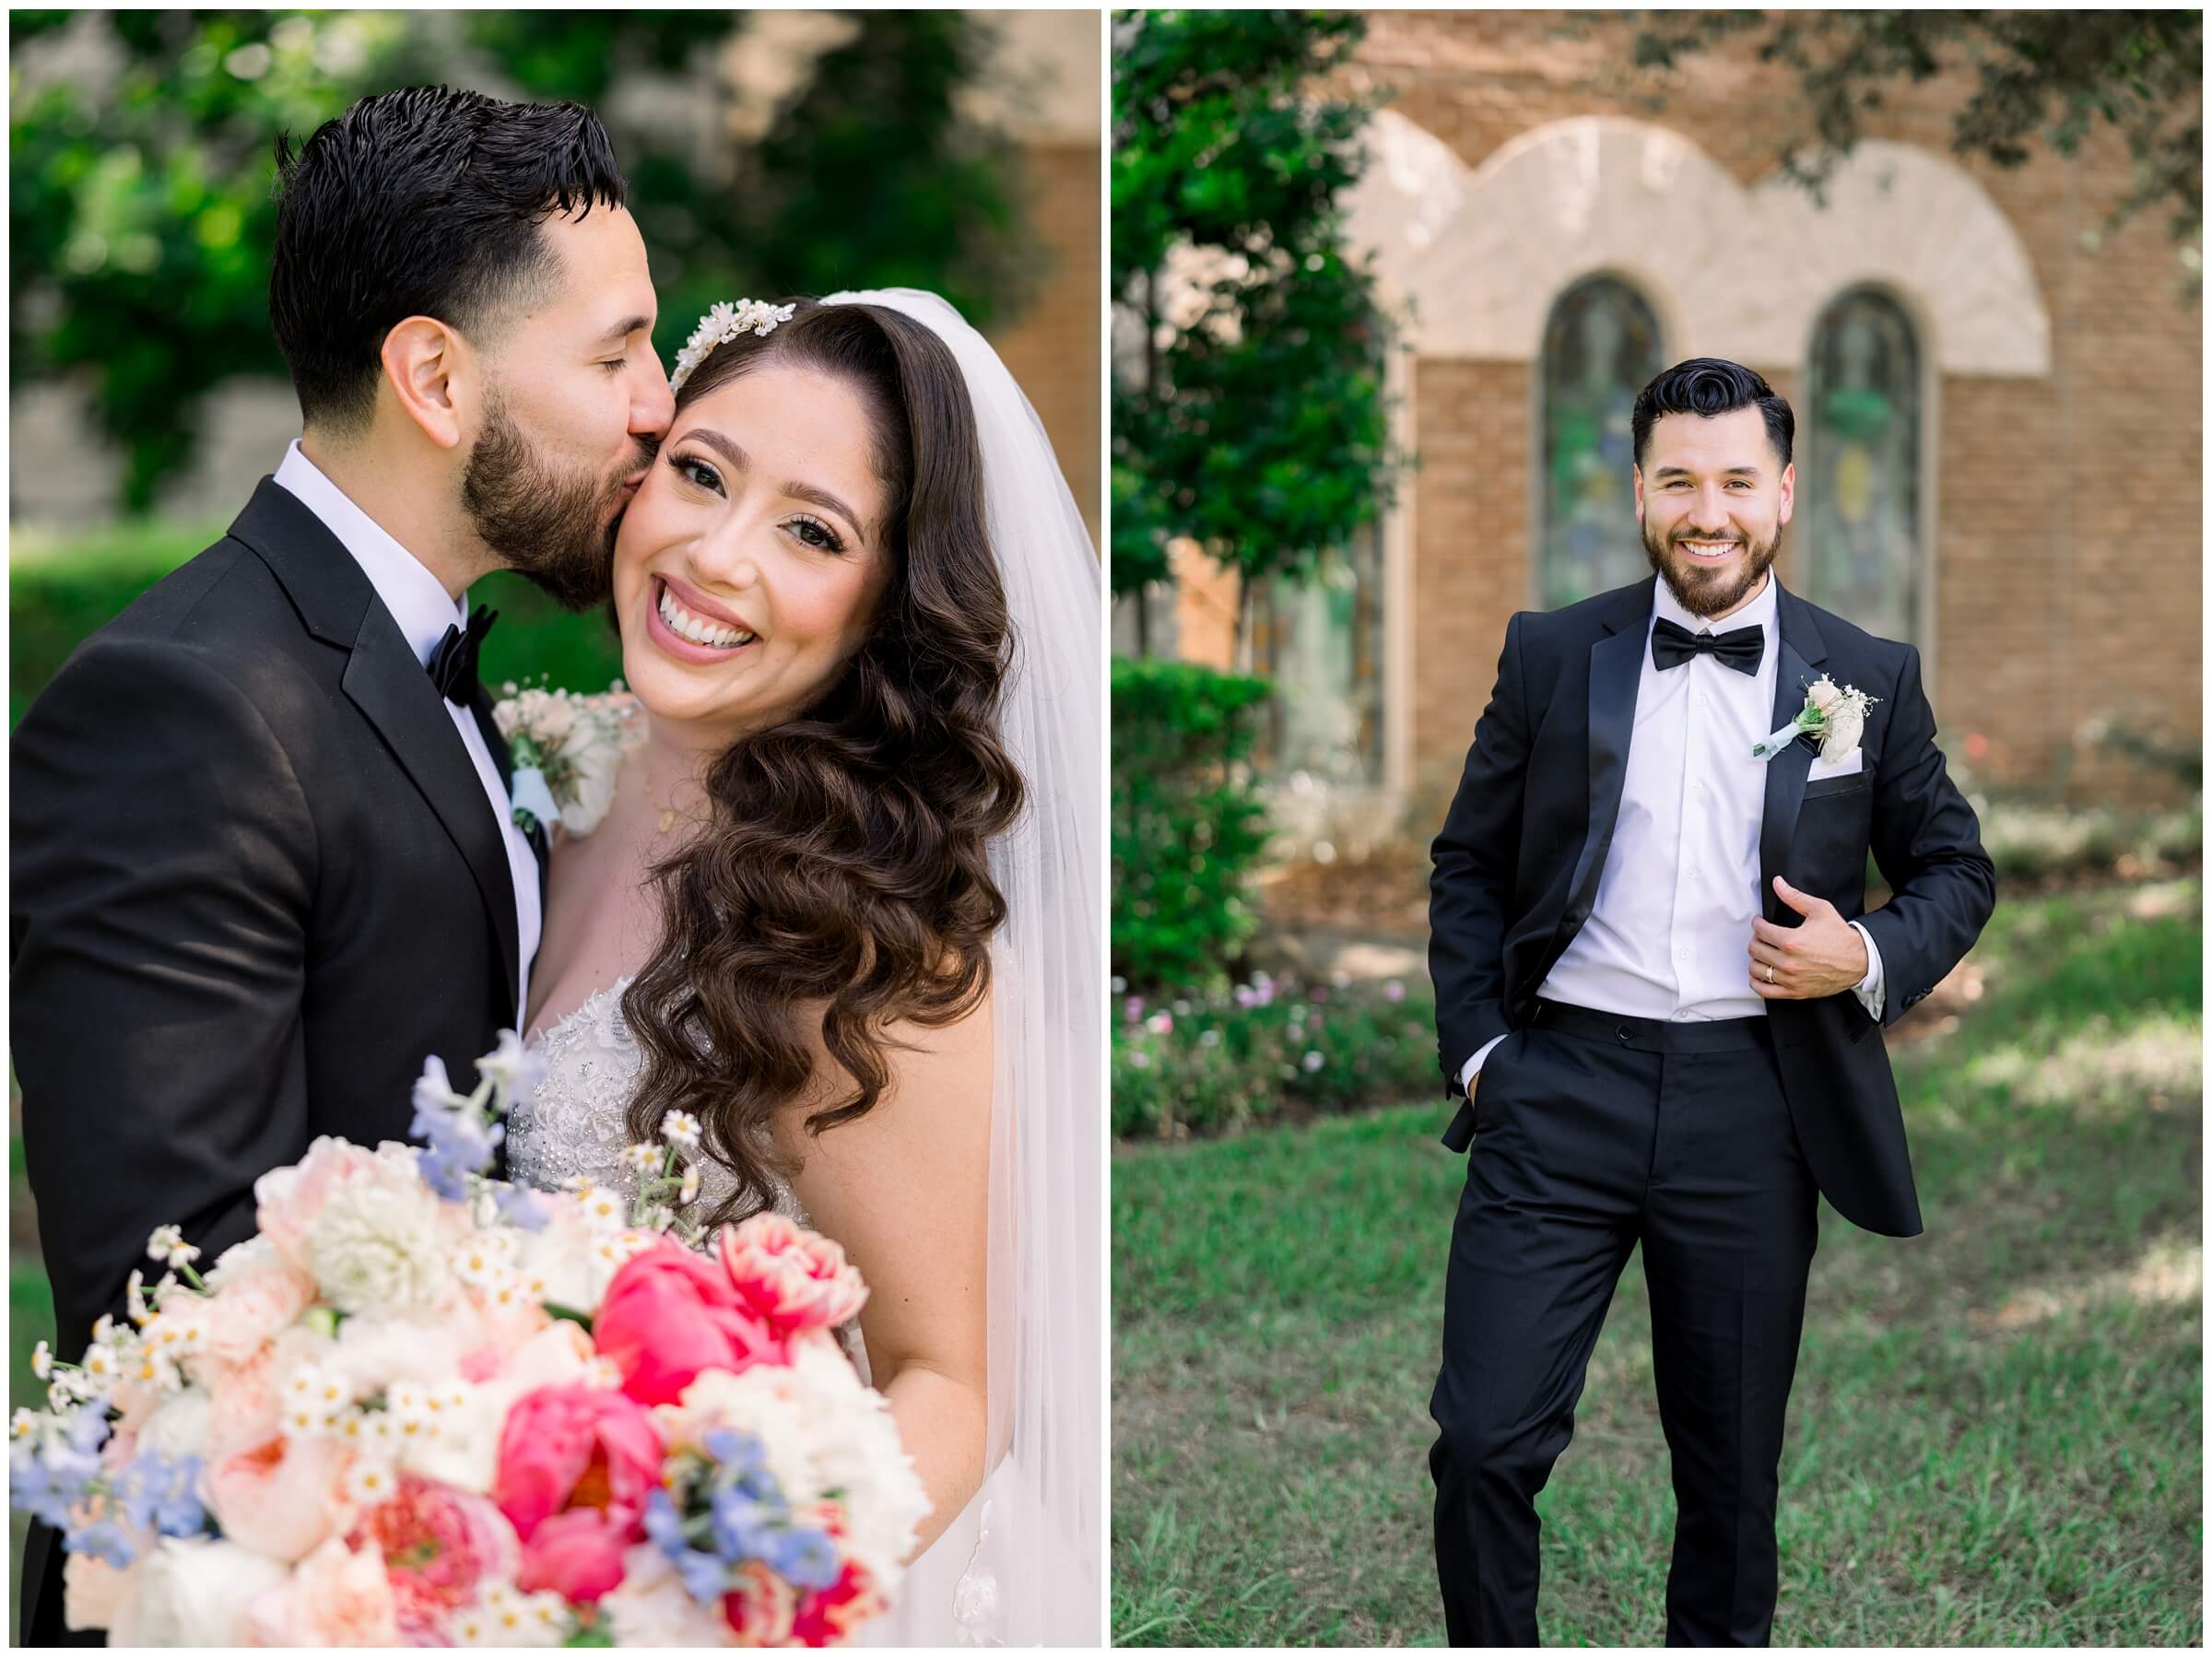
(737, 1455)
(705, 1577)
(157, 1493)
(665, 1525)
(34, 1486)
(743, 1524)
(519, 1205)
(104, 1540)
(803, 1556)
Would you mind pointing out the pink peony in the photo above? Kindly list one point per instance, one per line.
(797, 1280)
(576, 1465)
(439, 1546)
(246, 1400)
(338, 1596)
(669, 1313)
(282, 1499)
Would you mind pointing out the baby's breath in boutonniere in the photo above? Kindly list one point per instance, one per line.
(568, 750)
(1833, 718)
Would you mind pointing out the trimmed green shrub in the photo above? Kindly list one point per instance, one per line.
(1187, 824)
(1201, 1065)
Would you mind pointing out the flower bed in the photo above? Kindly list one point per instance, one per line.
(1269, 1051)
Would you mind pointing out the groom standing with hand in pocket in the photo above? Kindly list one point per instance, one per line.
(1657, 987)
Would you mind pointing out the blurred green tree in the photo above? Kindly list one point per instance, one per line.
(1248, 406)
(140, 168)
(2048, 74)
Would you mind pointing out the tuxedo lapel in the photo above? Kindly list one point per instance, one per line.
(1615, 669)
(1802, 649)
(388, 685)
(338, 605)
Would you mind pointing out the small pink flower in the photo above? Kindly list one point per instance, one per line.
(668, 1313)
(1133, 1009)
(761, 1608)
(1394, 990)
(1160, 1024)
(797, 1280)
(576, 1465)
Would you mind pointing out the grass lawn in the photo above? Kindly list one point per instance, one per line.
(1995, 1431)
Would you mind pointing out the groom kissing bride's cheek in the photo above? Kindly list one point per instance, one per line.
(1659, 995)
(781, 901)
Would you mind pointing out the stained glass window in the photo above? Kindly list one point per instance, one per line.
(1858, 478)
(1601, 347)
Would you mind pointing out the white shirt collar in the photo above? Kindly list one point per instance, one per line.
(1760, 612)
(417, 599)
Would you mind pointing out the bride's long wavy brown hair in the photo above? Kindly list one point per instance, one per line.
(842, 884)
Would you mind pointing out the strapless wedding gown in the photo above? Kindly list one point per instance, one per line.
(575, 1122)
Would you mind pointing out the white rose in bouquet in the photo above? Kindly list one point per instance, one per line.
(195, 1591)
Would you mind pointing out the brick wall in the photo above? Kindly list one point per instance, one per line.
(1053, 351)
(2070, 509)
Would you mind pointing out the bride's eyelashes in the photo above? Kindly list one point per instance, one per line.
(803, 527)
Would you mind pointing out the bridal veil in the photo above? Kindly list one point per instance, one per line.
(1021, 1564)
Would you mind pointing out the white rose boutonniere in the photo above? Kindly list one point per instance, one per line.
(567, 750)
(1832, 716)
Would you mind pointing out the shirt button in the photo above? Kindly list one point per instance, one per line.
(1682, 954)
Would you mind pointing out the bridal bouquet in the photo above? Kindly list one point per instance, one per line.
(425, 1407)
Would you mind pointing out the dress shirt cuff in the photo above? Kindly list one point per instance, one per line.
(1869, 989)
(1469, 1071)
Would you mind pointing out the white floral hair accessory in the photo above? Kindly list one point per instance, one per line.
(726, 321)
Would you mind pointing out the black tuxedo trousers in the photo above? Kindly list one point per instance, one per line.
(1594, 1134)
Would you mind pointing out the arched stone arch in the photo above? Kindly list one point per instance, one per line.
(1918, 225)
(1482, 253)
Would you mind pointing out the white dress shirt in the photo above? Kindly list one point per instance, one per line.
(1669, 934)
(418, 601)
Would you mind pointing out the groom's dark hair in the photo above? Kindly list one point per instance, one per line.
(1708, 387)
(425, 202)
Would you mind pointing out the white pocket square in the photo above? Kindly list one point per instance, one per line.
(1849, 765)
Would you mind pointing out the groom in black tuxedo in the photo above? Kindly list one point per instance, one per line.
(1657, 989)
(264, 860)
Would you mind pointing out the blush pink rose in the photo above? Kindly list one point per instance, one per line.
(337, 1597)
(256, 1301)
(439, 1546)
(577, 1464)
(282, 1499)
(797, 1280)
(669, 1313)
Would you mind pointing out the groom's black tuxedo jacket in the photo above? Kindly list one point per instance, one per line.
(1525, 843)
(255, 881)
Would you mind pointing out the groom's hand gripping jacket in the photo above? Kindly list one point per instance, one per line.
(1523, 847)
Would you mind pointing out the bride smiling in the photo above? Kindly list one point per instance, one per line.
(844, 906)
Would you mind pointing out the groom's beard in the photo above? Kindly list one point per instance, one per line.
(1704, 591)
(556, 529)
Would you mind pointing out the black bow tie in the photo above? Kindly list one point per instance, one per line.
(453, 666)
(1673, 644)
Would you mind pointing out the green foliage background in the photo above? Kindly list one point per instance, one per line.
(1186, 826)
(1257, 427)
(141, 220)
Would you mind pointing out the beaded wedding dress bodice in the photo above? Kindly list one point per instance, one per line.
(576, 1119)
